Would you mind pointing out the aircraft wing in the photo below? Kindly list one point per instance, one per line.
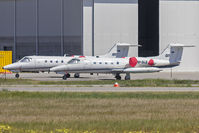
(138, 70)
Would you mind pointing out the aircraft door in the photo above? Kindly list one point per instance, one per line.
(39, 64)
(86, 64)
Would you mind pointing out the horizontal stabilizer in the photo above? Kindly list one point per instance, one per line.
(128, 45)
(119, 50)
(181, 45)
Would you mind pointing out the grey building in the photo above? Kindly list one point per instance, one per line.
(41, 27)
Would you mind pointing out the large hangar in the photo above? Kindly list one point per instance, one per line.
(91, 27)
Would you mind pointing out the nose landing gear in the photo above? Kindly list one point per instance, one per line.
(17, 75)
(66, 76)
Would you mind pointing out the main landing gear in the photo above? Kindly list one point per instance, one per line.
(117, 76)
(17, 75)
(76, 75)
(66, 76)
(128, 77)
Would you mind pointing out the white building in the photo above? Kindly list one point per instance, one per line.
(179, 23)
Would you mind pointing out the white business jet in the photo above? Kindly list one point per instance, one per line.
(44, 63)
(170, 57)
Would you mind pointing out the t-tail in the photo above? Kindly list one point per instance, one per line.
(173, 53)
(119, 50)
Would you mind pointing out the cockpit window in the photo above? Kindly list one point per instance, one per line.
(74, 61)
(26, 59)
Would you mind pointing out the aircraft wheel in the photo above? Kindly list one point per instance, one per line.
(16, 75)
(64, 77)
(127, 77)
(68, 75)
(76, 75)
(118, 77)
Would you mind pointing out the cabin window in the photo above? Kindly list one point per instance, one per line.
(46, 61)
(51, 61)
(56, 61)
(100, 63)
(112, 63)
(94, 62)
(118, 63)
(62, 61)
(106, 63)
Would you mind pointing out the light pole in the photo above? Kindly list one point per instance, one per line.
(15, 21)
(37, 27)
(62, 27)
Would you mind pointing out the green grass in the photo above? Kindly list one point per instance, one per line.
(101, 95)
(101, 112)
(130, 83)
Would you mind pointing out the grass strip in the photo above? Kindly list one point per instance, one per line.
(99, 95)
(123, 83)
(137, 112)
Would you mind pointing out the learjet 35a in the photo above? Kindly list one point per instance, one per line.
(170, 57)
(44, 63)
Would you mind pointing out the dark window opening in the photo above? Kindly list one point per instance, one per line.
(7, 48)
(148, 28)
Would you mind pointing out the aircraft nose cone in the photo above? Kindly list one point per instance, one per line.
(5, 68)
(12, 67)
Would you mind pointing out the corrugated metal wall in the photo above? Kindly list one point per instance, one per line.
(41, 27)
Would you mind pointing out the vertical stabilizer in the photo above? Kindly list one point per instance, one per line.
(119, 50)
(173, 53)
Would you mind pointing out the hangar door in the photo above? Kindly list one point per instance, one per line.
(179, 23)
(115, 21)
